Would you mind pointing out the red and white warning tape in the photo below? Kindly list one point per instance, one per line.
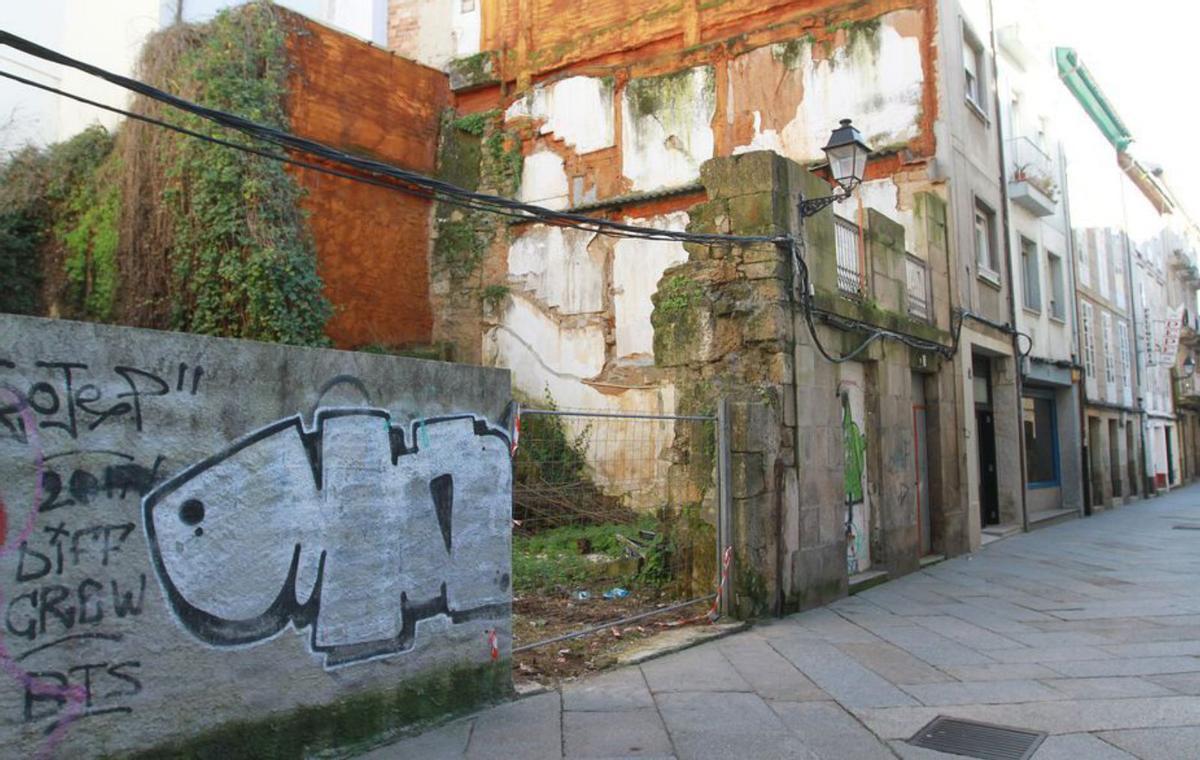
(726, 557)
(493, 644)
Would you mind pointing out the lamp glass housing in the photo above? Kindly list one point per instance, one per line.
(847, 154)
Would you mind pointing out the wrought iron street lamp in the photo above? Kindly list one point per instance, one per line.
(1189, 367)
(847, 154)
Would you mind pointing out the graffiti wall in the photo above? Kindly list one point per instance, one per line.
(197, 530)
(854, 448)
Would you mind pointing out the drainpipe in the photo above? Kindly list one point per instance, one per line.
(1085, 470)
(1008, 265)
(1137, 357)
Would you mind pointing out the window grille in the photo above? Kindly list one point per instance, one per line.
(918, 289)
(849, 258)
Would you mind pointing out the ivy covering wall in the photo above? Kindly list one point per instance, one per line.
(156, 229)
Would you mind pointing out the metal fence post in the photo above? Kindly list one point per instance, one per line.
(724, 495)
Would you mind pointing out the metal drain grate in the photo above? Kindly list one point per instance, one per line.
(982, 740)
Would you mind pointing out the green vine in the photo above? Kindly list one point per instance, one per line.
(243, 259)
(58, 228)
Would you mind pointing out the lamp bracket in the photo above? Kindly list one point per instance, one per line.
(810, 206)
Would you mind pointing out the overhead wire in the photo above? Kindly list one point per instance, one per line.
(391, 177)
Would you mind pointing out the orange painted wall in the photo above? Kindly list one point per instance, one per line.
(372, 243)
(535, 41)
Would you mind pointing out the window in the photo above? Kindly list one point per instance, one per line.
(1089, 343)
(985, 246)
(918, 288)
(1031, 278)
(1041, 441)
(1083, 257)
(1123, 347)
(973, 66)
(1058, 287)
(1101, 242)
(1118, 261)
(1110, 376)
(467, 6)
(849, 257)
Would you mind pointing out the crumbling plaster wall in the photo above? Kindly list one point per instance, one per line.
(623, 130)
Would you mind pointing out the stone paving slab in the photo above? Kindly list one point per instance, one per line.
(630, 733)
(831, 732)
(702, 668)
(840, 675)
(1139, 666)
(982, 692)
(1107, 688)
(1088, 630)
(894, 664)
(623, 689)
(1181, 743)
(529, 728)
(768, 672)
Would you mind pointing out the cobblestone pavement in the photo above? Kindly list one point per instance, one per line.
(1088, 630)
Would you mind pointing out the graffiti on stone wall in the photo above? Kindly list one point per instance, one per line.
(355, 529)
(854, 449)
(78, 581)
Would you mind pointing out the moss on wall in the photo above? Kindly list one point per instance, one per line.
(357, 721)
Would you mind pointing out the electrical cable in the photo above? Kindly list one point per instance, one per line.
(391, 177)
(441, 190)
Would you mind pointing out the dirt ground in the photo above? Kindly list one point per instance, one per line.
(544, 616)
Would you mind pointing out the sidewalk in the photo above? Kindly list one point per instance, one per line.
(1088, 630)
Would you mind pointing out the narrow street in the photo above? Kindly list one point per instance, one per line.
(1088, 630)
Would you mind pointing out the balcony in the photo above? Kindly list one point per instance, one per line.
(1031, 184)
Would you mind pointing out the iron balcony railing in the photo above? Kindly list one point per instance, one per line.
(1029, 163)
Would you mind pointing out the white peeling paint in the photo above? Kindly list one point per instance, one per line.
(576, 110)
(665, 147)
(878, 83)
(554, 265)
(544, 181)
(638, 265)
(883, 196)
(764, 139)
(572, 351)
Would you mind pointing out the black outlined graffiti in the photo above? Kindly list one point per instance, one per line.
(356, 530)
(67, 401)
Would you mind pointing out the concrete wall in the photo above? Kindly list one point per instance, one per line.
(200, 531)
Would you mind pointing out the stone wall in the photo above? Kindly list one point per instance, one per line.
(205, 541)
(831, 491)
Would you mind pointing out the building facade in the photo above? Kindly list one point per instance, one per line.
(1038, 242)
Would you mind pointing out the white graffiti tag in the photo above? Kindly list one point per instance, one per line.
(355, 529)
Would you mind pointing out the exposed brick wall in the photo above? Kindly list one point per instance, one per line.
(372, 243)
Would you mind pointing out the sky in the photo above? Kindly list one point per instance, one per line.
(1145, 55)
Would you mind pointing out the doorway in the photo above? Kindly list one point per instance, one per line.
(1114, 458)
(1170, 457)
(1131, 458)
(921, 464)
(985, 442)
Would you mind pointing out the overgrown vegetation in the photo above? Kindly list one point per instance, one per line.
(242, 259)
(58, 228)
(155, 229)
(565, 558)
